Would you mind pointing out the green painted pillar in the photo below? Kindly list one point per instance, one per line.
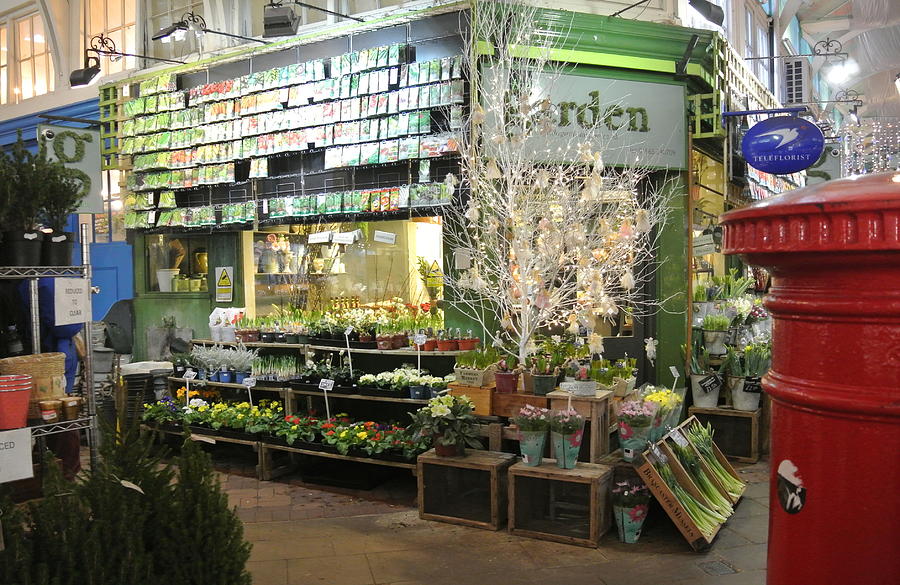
(671, 284)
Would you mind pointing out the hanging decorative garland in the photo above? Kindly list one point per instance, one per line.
(59, 146)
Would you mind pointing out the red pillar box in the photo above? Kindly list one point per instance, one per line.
(834, 253)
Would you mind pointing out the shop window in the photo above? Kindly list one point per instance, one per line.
(177, 263)
(35, 64)
(4, 65)
(115, 19)
(291, 268)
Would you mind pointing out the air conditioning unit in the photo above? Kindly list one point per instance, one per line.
(797, 81)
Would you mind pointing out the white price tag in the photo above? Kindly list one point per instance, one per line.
(344, 237)
(674, 371)
(249, 381)
(320, 238)
(384, 237)
(326, 385)
(348, 330)
(658, 454)
(420, 339)
(190, 374)
(678, 438)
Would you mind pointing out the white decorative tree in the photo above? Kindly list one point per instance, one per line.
(549, 236)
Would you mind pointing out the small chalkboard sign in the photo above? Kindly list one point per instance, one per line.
(710, 383)
(753, 385)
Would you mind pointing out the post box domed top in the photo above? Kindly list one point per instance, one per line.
(855, 214)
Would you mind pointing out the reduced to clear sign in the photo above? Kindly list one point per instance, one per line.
(72, 300)
(15, 455)
(224, 284)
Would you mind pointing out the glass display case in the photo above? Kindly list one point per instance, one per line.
(177, 262)
(344, 265)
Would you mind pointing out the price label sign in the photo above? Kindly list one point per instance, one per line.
(190, 374)
(326, 385)
(709, 383)
(658, 454)
(678, 438)
(753, 385)
(420, 339)
(348, 330)
(674, 372)
(250, 382)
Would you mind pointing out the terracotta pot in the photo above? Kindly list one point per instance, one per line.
(430, 345)
(442, 450)
(468, 344)
(384, 342)
(399, 340)
(506, 382)
(447, 345)
(366, 338)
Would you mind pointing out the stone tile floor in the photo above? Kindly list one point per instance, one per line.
(307, 535)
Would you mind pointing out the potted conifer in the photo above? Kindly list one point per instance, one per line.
(63, 196)
(21, 198)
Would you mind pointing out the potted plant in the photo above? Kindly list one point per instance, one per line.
(544, 371)
(757, 360)
(566, 432)
(437, 385)
(507, 375)
(668, 409)
(476, 367)
(701, 304)
(444, 343)
(384, 339)
(242, 362)
(635, 419)
(715, 330)
(449, 421)
(532, 424)
(63, 194)
(582, 383)
(705, 383)
(630, 501)
(247, 330)
(21, 197)
(416, 384)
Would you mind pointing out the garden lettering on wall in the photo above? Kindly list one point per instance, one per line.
(79, 150)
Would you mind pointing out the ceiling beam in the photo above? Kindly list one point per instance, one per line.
(825, 25)
(787, 13)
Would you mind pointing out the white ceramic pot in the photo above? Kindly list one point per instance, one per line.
(227, 333)
(705, 390)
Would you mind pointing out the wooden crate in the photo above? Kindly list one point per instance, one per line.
(509, 405)
(470, 377)
(736, 432)
(572, 506)
(482, 397)
(468, 490)
(595, 409)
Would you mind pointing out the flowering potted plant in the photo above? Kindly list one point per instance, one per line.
(581, 383)
(635, 418)
(545, 372)
(566, 432)
(445, 343)
(630, 501)
(532, 424)
(449, 421)
(507, 375)
(617, 377)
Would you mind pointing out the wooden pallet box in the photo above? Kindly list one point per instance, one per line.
(481, 397)
(469, 490)
(737, 432)
(571, 506)
(509, 405)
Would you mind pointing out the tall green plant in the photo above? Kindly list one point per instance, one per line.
(24, 191)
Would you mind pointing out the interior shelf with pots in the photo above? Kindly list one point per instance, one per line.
(314, 347)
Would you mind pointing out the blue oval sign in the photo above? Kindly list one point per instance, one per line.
(782, 145)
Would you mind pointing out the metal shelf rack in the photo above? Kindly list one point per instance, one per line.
(32, 274)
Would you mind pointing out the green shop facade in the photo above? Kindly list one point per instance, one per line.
(203, 244)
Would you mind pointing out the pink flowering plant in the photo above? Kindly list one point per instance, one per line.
(532, 418)
(630, 493)
(566, 422)
(635, 413)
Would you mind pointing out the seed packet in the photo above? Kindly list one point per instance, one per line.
(434, 94)
(354, 62)
(389, 151)
(346, 107)
(351, 132)
(394, 76)
(403, 99)
(394, 55)
(413, 74)
(383, 80)
(345, 87)
(350, 156)
(446, 94)
(385, 196)
(355, 108)
(364, 59)
(355, 201)
(365, 204)
(393, 102)
(364, 107)
(424, 171)
(446, 68)
(373, 105)
(424, 96)
(424, 121)
(413, 102)
(335, 66)
(321, 203)
(394, 198)
(346, 66)
(409, 148)
(393, 123)
(383, 127)
(332, 158)
(403, 124)
(403, 79)
(363, 87)
(383, 57)
(382, 104)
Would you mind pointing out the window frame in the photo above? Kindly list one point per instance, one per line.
(151, 24)
(119, 33)
(15, 89)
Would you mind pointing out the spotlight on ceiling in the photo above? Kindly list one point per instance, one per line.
(174, 31)
(194, 22)
(709, 11)
(279, 20)
(854, 114)
(88, 75)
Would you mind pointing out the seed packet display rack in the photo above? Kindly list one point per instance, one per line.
(323, 139)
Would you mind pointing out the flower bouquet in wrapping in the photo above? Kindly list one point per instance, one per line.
(635, 419)
(566, 432)
(630, 501)
(532, 423)
(668, 409)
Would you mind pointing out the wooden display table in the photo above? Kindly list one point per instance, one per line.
(468, 490)
(595, 410)
(736, 432)
(572, 506)
(509, 405)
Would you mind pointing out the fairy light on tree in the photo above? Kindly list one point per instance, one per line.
(550, 235)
